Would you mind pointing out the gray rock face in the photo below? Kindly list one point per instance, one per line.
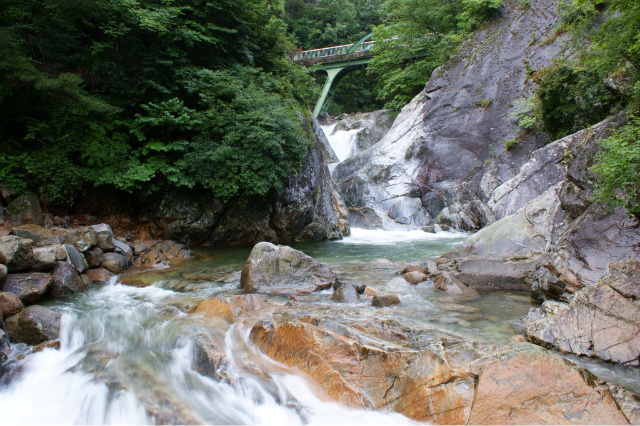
(444, 154)
(283, 270)
(18, 253)
(602, 320)
(66, 281)
(309, 207)
(105, 237)
(34, 325)
(557, 242)
(28, 287)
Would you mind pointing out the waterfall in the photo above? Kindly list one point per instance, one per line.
(343, 142)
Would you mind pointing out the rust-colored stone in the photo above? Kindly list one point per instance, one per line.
(540, 388)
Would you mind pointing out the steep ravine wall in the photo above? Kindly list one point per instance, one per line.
(444, 155)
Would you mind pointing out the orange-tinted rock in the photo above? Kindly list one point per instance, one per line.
(215, 308)
(537, 388)
(419, 384)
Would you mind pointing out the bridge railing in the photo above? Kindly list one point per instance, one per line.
(327, 52)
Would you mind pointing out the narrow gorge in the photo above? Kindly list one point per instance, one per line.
(441, 264)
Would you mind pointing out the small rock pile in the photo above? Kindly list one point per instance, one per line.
(38, 262)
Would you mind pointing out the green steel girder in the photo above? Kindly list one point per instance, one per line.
(335, 72)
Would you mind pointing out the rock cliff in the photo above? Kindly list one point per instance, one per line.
(444, 156)
(308, 207)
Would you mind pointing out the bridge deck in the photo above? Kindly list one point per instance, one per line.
(334, 54)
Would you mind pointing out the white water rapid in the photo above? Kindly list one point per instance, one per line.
(127, 357)
(343, 142)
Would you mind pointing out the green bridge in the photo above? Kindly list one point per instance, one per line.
(337, 61)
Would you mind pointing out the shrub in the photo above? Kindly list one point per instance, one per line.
(617, 168)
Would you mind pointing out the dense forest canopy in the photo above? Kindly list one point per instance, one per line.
(145, 95)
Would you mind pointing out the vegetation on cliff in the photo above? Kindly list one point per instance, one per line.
(143, 96)
(604, 77)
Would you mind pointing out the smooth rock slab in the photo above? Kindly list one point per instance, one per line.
(76, 258)
(539, 389)
(283, 270)
(34, 325)
(28, 287)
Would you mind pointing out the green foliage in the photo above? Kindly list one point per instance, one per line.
(418, 36)
(484, 103)
(618, 169)
(570, 99)
(323, 23)
(142, 96)
(528, 113)
(511, 143)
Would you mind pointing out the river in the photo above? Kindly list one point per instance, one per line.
(127, 354)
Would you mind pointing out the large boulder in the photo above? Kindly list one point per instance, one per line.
(283, 270)
(47, 257)
(114, 262)
(601, 321)
(82, 239)
(10, 304)
(34, 325)
(66, 281)
(26, 209)
(105, 237)
(39, 235)
(18, 253)
(29, 287)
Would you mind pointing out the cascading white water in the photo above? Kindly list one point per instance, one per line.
(343, 142)
(127, 358)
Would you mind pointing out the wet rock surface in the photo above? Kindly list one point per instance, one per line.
(602, 321)
(66, 281)
(29, 287)
(281, 269)
(34, 325)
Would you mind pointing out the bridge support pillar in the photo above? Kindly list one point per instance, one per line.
(333, 77)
